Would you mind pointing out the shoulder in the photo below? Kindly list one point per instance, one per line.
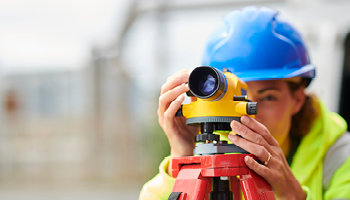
(335, 157)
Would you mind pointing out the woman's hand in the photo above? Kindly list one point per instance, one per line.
(181, 136)
(274, 168)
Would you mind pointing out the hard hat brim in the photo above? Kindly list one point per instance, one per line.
(307, 71)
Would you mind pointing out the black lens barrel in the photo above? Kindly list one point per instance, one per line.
(203, 75)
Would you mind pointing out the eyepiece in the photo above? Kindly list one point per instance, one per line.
(252, 108)
(207, 83)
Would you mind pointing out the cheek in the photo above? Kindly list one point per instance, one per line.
(276, 118)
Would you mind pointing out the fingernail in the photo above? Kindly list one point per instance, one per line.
(247, 159)
(180, 98)
(245, 119)
(232, 137)
(236, 125)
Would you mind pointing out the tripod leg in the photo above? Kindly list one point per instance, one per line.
(191, 184)
(236, 188)
(256, 188)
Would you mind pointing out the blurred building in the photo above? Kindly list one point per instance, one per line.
(67, 125)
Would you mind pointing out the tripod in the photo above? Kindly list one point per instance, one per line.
(214, 175)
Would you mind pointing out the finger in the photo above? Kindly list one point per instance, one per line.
(247, 133)
(169, 96)
(175, 80)
(259, 128)
(169, 114)
(261, 170)
(259, 151)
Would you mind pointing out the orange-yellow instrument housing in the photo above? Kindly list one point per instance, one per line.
(219, 97)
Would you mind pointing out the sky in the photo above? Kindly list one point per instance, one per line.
(54, 33)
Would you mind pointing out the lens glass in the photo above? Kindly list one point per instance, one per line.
(208, 84)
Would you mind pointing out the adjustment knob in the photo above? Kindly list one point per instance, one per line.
(252, 108)
(205, 137)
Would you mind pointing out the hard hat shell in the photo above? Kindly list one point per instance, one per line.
(258, 44)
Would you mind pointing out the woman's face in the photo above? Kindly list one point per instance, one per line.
(276, 105)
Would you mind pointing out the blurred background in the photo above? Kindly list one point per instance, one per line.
(80, 80)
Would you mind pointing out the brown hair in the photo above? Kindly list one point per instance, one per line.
(304, 119)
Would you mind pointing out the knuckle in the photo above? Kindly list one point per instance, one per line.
(160, 121)
(260, 151)
(177, 89)
(274, 177)
(167, 117)
(259, 139)
(242, 131)
(265, 170)
(161, 100)
(277, 176)
(279, 166)
(159, 113)
(162, 89)
(265, 132)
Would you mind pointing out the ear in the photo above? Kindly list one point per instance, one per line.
(299, 97)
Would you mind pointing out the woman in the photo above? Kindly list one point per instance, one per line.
(304, 149)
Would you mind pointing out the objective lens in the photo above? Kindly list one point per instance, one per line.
(208, 84)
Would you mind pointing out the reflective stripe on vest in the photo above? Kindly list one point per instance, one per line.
(335, 157)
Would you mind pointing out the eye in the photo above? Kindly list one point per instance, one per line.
(268, 98)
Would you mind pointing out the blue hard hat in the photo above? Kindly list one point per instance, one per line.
(258, 44)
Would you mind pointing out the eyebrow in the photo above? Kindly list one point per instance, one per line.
(263, 90)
